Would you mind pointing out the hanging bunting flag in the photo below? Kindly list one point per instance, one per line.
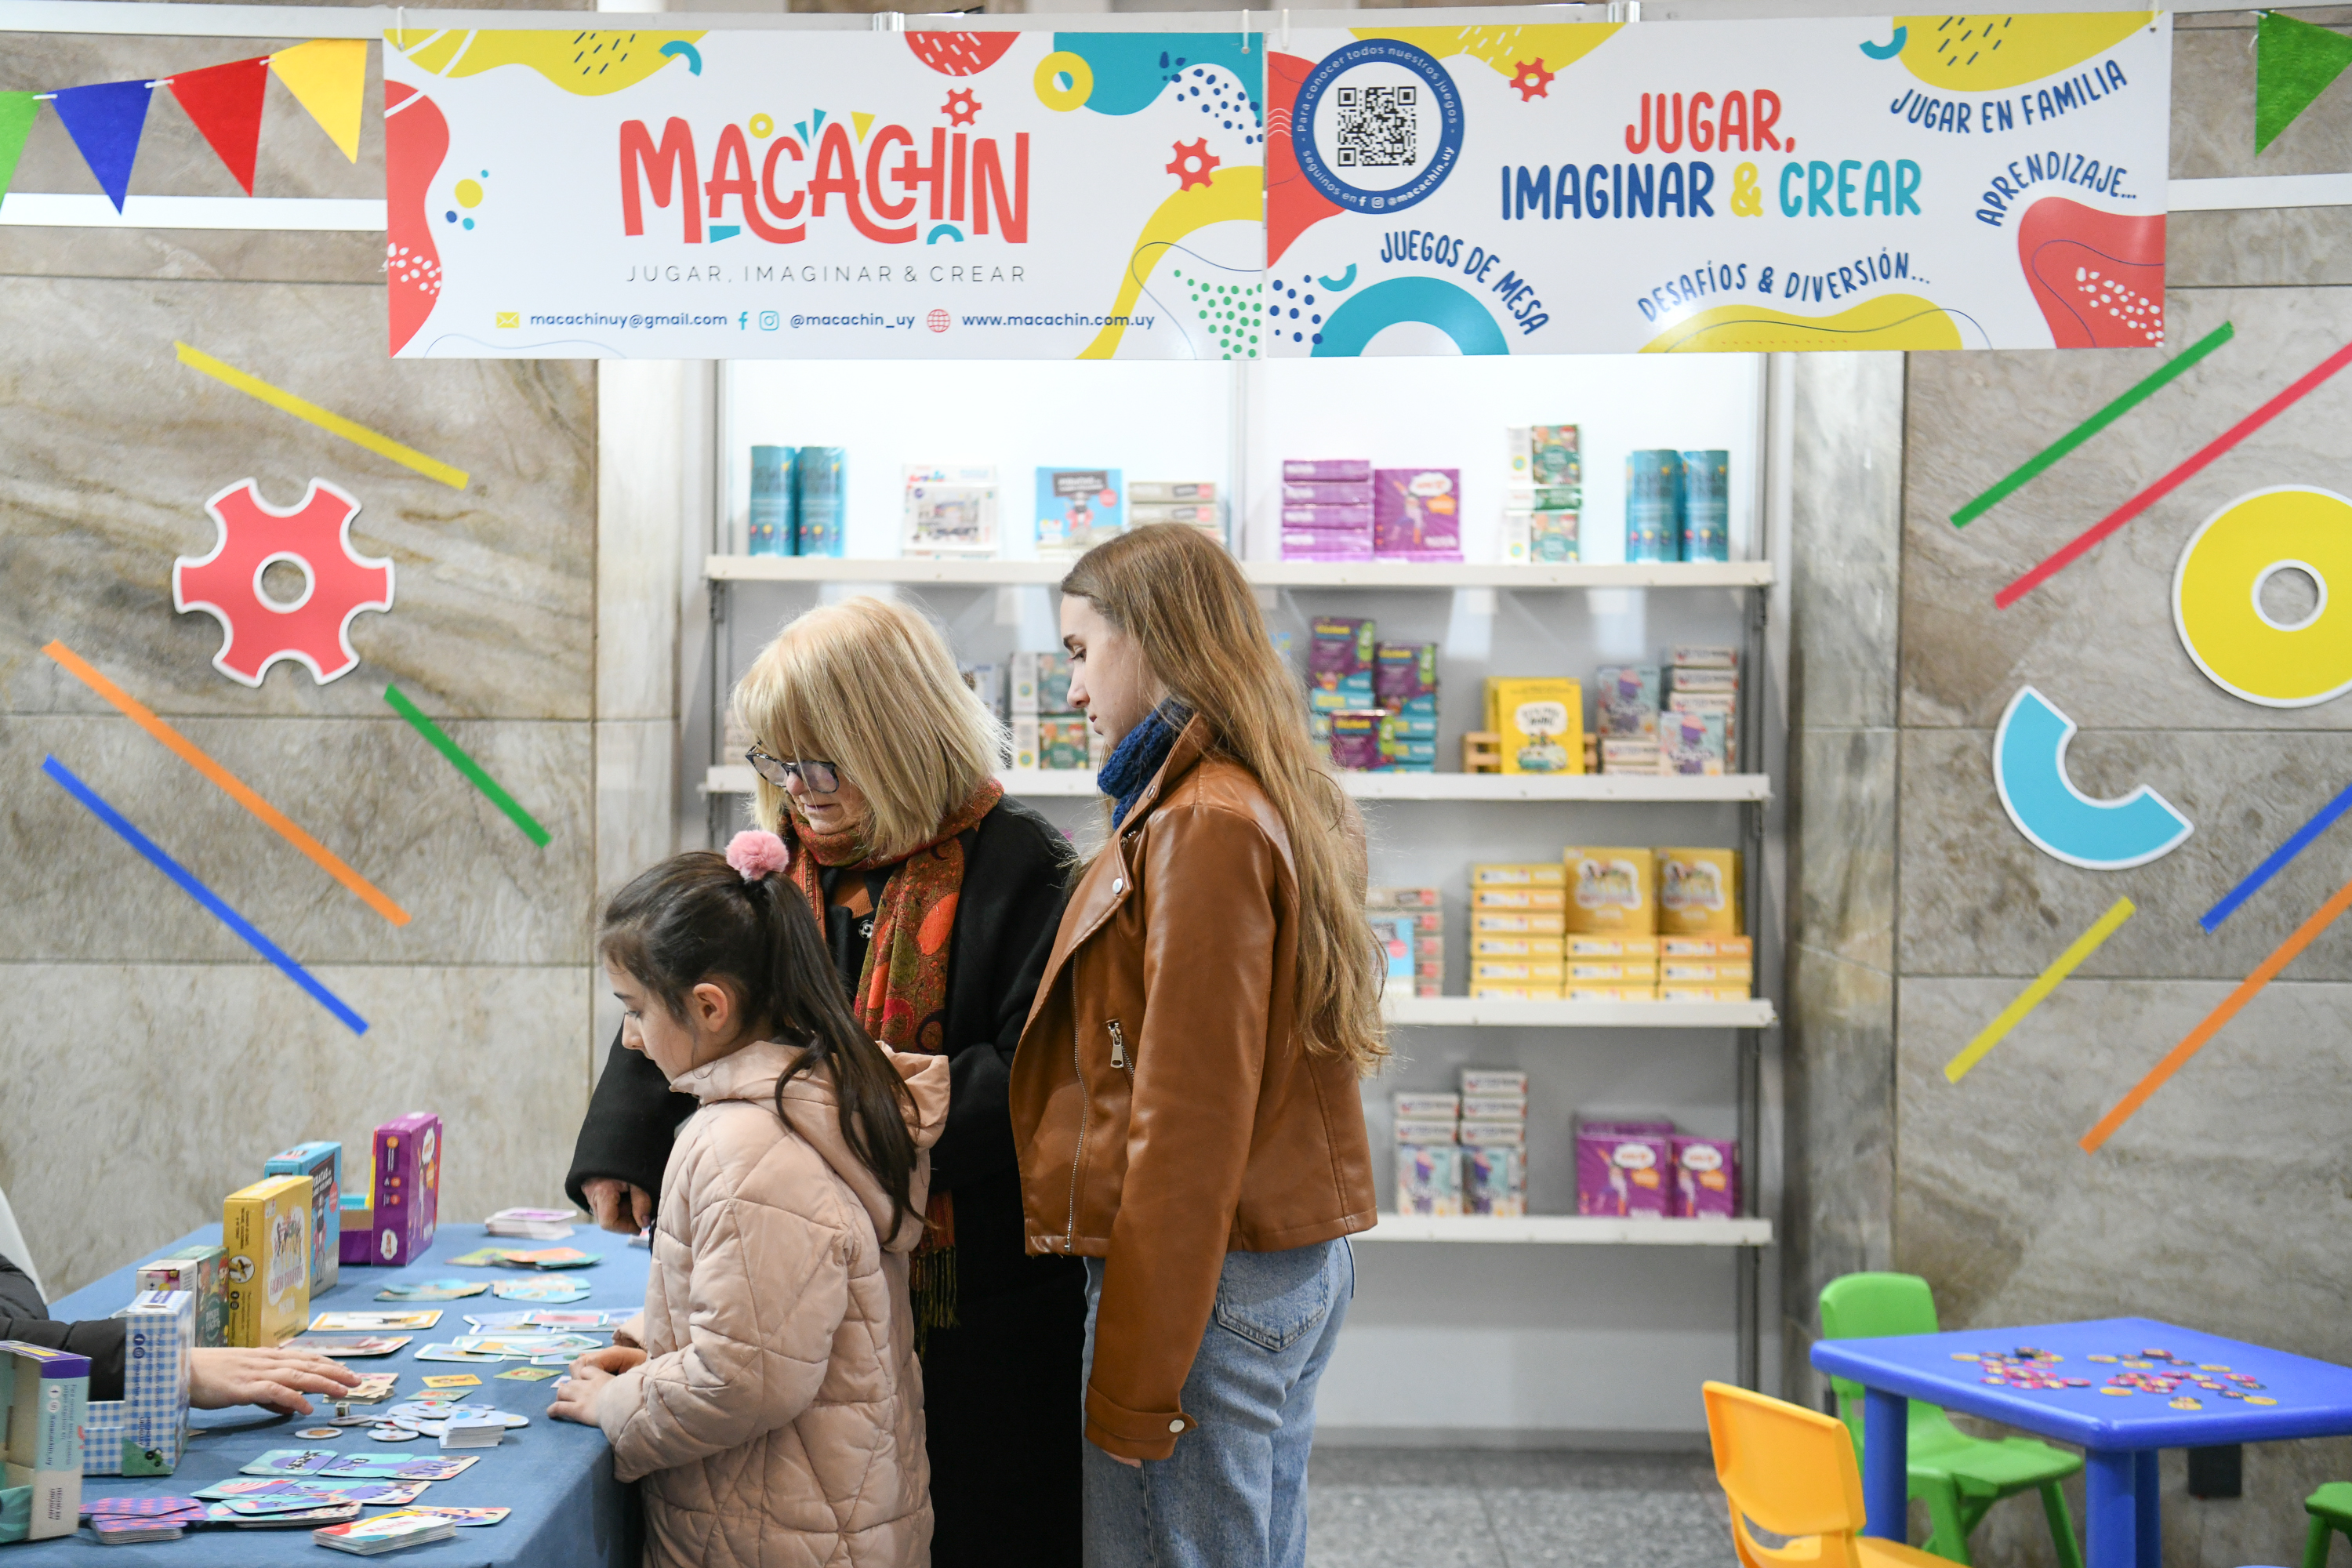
(17, 112)
(105, 121)
(2294, 63)
(329, 77)
(224, 102)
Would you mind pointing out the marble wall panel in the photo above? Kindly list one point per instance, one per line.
(2260, 247)
(1978, 899)
(113, 449)
(227, 255)
(138, 1096)
(2098, 639)
(1845, 504)
(374, 791)
(1844, 784)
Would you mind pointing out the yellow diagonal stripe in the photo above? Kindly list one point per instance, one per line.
(2043, 984)
(325, 419)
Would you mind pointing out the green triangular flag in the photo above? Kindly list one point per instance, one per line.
(2293, 63)
(17, 112)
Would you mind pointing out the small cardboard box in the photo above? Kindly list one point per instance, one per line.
(1428, 1179)
(1520, 874)
(322, 1162)
(1515, 923)
(266, 1228)
(1611, 891)
(197, 1269)
(43, 1400)
(407, 1186)
(1620, 1174)
(146, 1432)
(1698, 893)
(1707, 1178)
(1541, 721)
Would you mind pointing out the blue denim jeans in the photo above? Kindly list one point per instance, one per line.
(1234, 1495)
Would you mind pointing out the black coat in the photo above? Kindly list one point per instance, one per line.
(1001, 1389)
(24, 1316)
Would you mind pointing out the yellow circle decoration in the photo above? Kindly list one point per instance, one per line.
(469, 192)
(762, 126)
(2217, 596)
(1052, 69)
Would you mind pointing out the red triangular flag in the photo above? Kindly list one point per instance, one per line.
(224, 101)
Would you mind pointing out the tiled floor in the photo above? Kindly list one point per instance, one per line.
(1378, 1507)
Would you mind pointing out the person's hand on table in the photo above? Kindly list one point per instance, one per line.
(618, 1204)
(611, 1360)
(221, 1377)
(575, 1396)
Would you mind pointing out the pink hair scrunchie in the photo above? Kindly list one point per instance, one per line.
(755, 854)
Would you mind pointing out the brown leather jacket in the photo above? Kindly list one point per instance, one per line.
(1166, 1112)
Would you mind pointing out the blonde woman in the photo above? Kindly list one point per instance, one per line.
(1185, 1095)
(938, 898)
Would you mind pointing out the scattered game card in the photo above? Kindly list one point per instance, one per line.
(465, 1516)
(373, 1322)
(402, 1467)
(281, 1502)
(451, 1353)
(502, 1323)
(575, 1320)
(431, 1290)
(553, 1291)
(349, 1347)
(326, 1513)
(526, 1344)
(369, 1389)
(235, 1487)
(291, 1462)
(142, 1507)
(530, 1374)
(553, 1257)
(454, 1380)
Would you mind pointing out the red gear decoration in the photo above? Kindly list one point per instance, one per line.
(1530, 79)
(226, 584)
(1192, 162)
(961, 108)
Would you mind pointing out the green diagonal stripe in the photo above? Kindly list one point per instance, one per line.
(467, 765)
(2056, 452)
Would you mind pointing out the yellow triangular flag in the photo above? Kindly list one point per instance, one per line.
(863, 121)
(329, 77)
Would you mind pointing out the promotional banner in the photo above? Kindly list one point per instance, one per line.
(824, 194)
(1979, 182)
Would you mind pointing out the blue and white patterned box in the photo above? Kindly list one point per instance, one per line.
(146, 1432)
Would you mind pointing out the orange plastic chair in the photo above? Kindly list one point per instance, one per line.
(1791, 1471)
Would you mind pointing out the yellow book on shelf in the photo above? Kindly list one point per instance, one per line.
(1540, 719)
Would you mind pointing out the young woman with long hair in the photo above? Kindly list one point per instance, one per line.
(1185, 1093)
(938, 898)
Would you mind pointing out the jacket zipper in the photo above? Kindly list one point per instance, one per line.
(1119, 1058)
(1078, 1061)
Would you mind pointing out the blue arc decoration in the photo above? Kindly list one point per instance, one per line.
(2028, 768)
(1888, 51)
(680, 48)
(1432, 302)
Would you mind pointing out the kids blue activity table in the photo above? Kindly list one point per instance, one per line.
(557, 1476)
(2262, 1396)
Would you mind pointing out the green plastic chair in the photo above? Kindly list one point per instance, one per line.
(2331, 1509)
(1959, 1478)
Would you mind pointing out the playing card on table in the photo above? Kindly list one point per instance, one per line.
(465, 1516)
(504, 1322)
(370, 1389)
(235, 1487)
(480, 1258)
(325, 1513)
(526, 1344)
(290, 1462)
(553, 1257)
(454, 1380)
(395, 1467)
(373, 1322)
(141, 1507)
(279, 1502)
(561, 1320)
(555, 1290)
(348, 1347)
(431, 1290)
(530, 1374)
(451, 1353)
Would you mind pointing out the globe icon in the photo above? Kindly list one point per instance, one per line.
(939, 321)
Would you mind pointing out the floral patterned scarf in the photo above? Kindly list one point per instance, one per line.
(902, 992)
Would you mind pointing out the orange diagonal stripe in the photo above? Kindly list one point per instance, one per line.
(230, 784)
(2264, 973)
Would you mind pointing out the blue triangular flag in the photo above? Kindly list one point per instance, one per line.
(105, 121)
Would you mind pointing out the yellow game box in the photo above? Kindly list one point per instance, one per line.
(266, 1230)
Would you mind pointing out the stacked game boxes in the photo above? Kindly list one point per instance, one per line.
(1428, 1152)
(1192, 502)
(1539, 722)
(1404, 686)
(1516, 920)
(820, 499)
(1543, 495)
(1654, 924)
(44, 1405)
(948, 511)
(198, 1268)
(1078, 509)
(146, 1432)
(1677, 505)
(1699, 729)
(1047, 733)
(1342, 651)
(1494, 1137)
(1417, 514)
(1411, 925)
(1625, 717)
(321, 1165)
(1706, 506)
(770, 520)
(1326, 508)
(1647, 1168)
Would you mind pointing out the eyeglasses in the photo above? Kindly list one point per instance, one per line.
(821, 778)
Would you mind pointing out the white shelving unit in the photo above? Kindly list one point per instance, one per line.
(1570, 1230)
(1496, 1013)
(1263, 574)
(736, 778)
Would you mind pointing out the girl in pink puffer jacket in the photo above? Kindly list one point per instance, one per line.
(772, 1400)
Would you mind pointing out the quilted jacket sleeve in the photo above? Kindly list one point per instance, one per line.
(769, 1289)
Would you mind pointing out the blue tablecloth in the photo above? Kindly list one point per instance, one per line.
(2121, 1433)
(557, 1476)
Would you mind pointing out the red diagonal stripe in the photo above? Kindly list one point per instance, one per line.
(2080, 544)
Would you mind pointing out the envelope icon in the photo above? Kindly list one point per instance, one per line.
(509, 318)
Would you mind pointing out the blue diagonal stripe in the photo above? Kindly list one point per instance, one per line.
(202, 894)
(2279, 857)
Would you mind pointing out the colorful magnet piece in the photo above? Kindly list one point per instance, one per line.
(391, 1434)
(2211, 1366)
(1965, 1355)
(2259, 1399)
(2188, 1402)
(315, 1433)
(2100, 1358)
(2117, 1391)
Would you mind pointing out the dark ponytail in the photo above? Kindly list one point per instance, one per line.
(693, 919)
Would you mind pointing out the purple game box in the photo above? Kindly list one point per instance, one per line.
(1326, 470)
(1707, 1178)
(1623, 1172)
(407, 1186)
(1327, 492)
(1327, 517)
(1417, 514)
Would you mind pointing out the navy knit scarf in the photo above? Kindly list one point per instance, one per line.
(1136, 760)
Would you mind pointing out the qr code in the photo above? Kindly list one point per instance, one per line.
(1377, 126)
